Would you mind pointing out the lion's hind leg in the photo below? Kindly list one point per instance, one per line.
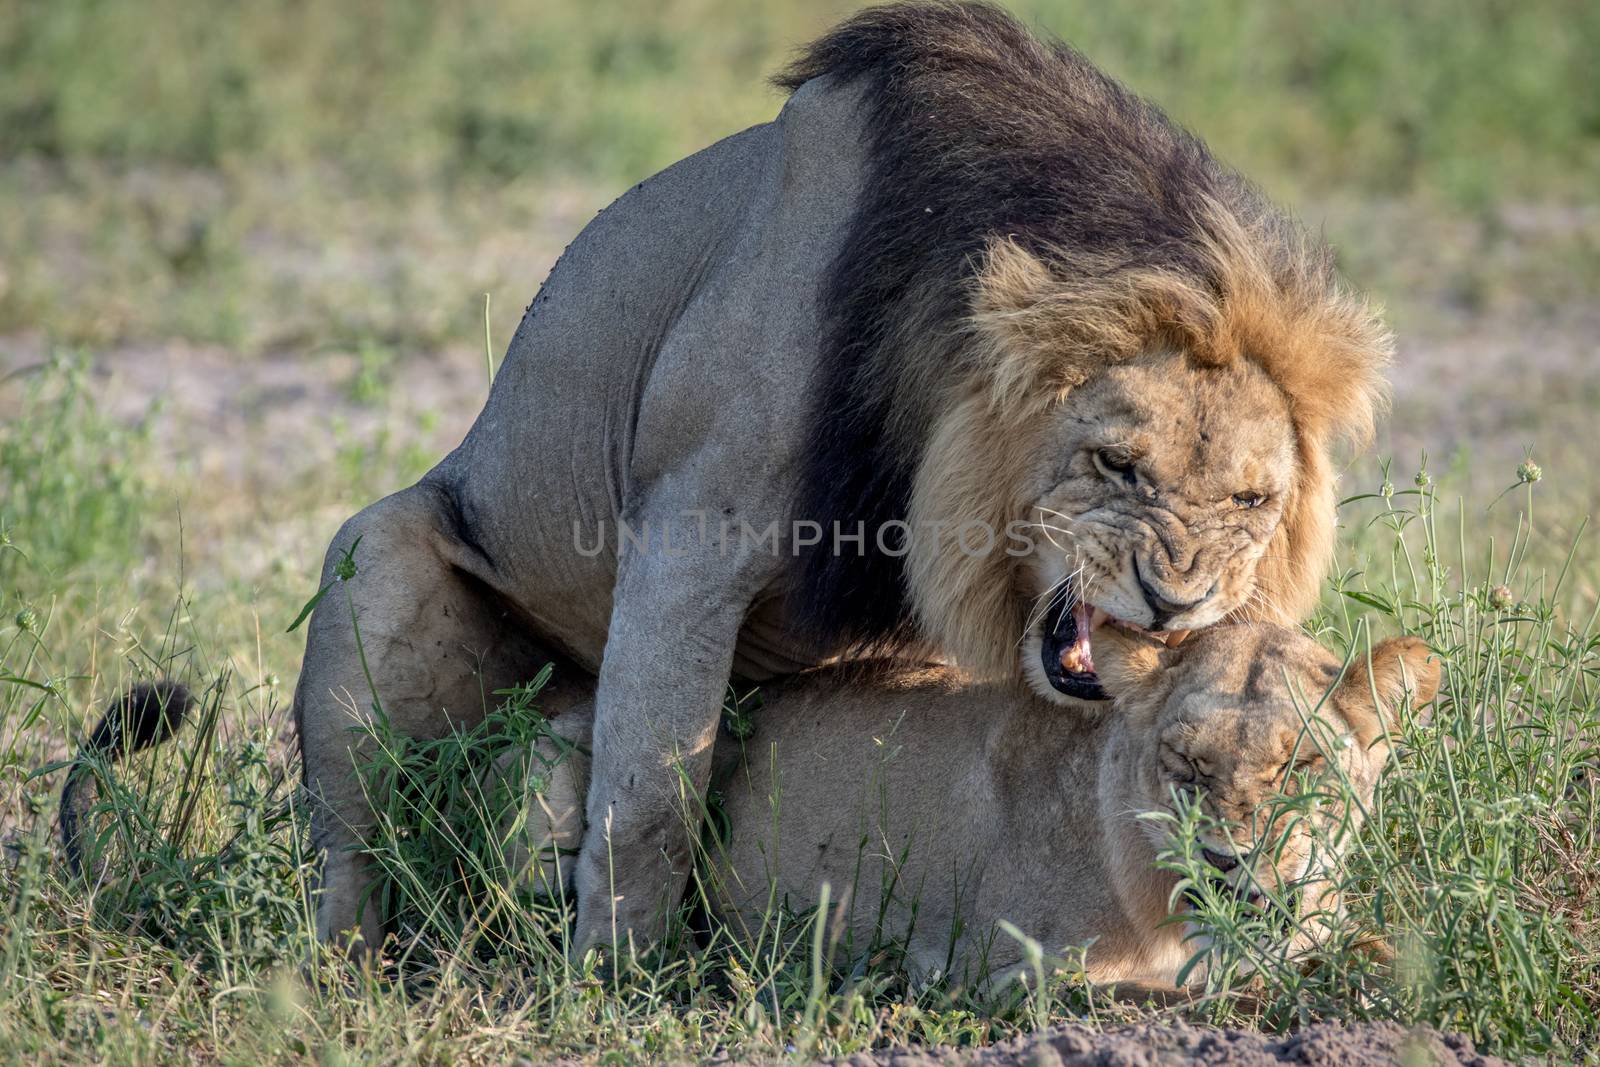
(406, 642)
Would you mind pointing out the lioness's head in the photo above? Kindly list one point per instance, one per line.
(1157, 452)
(1241, 715)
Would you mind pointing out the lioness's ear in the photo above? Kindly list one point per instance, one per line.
(1126, 666)
(1397, 666)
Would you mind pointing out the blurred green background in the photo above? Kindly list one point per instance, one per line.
(1466, 98)
(250, 173)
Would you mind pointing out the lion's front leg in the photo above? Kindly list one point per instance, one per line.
(674, 623)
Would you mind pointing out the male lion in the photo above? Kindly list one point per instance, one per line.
(805, 394)
(935, 809)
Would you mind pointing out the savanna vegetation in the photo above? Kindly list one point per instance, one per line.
(243, 257)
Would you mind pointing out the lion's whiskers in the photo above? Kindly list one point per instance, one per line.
(1048, 530)
(1269, 605)
(1041, 603)
(1063, 516)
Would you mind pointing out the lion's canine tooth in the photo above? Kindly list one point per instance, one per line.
(1174, 638)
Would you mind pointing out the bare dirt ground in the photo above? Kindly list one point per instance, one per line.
(1489, 384)
(1151, 1045)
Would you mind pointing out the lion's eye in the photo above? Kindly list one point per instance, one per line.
(1295, 766)
(1249, 499)
(1114, 464)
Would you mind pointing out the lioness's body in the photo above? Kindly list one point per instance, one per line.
(934, 809)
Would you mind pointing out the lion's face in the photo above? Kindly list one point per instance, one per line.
(1247, 717)
(1158, 487)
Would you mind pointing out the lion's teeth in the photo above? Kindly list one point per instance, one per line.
(1097, 618)
(1174, 638)
(1078, 657)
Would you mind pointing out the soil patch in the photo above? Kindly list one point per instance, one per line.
(1173, 1044)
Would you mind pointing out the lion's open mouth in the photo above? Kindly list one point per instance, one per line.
(1067, 651)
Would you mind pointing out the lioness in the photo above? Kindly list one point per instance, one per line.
(936, 809)
(965, 344)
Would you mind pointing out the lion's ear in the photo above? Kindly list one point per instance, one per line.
(1374, 686)
(1016, 316)
(1043, 332)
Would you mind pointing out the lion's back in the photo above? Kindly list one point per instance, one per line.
(677, 331)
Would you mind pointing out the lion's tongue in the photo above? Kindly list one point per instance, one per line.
(1077, 657)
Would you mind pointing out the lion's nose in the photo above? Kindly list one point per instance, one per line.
(1163, 610)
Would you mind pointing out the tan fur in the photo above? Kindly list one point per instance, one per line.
(1043, 328)
(1179, 526)
(992, 806)
(757, 337)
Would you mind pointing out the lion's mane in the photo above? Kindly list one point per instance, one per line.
(1027, 221)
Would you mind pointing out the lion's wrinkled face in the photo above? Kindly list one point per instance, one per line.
(1159, 487)
(1245, 718)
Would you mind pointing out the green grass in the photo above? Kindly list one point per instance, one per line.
(1381, 96)
(1479, 862)
(289, 176)
(325, 181)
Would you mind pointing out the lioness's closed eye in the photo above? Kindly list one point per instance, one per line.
(935, 809)
(1254, 715)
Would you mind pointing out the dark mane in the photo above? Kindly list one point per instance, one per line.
(977, 129)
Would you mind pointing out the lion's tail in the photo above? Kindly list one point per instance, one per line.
(146, 715)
